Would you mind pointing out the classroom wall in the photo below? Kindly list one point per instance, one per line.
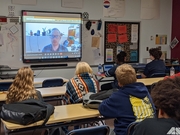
(148, 28)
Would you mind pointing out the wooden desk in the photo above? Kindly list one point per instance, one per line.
(65, 113)
(36, 80)
(52, 91)
(45, 92)
(149, 81)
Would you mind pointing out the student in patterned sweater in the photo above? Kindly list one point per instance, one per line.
(82, 83)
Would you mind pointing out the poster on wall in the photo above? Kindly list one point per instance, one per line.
(113, 8)
(161, 39)
(109, 55)
(174, 42)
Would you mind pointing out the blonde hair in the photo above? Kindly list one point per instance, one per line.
(22, 87)
(125, 74)
(83, 67)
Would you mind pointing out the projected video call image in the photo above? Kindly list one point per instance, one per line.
(47, 37)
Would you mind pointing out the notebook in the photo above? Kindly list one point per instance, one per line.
(106, 67)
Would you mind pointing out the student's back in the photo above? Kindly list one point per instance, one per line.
(166, 97)
(131, 103)
(82, 83)
(120, 59)
(22, 87)
(156, 65)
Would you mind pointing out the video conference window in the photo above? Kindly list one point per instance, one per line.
(51, 36)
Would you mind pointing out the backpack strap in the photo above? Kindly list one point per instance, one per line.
(48, 113)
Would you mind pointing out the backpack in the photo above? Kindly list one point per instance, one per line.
(93, 100)
(27, 111)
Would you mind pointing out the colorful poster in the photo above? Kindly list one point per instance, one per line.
(122, 29)
(122, 38)
(161, 39)
(109, 55)
(112, 38)
(133, 55)
(112, 28)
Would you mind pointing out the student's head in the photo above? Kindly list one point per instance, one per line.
(125, 74)
(55, 36)
(166, 97)
(83, 67)
(121, 57)
(155, 53)
(22, 87)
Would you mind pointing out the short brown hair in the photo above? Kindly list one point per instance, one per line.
(156, 53)
(166, 96)
(125, 74)
(83, 67)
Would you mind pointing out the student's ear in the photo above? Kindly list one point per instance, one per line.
(162, 114)
(119, 84)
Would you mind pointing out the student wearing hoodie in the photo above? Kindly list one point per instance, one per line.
(166, 97)
(130, 103)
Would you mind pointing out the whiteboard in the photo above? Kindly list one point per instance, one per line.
(11, 45)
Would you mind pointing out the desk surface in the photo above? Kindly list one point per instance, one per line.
(45, 92)
(146, 81)
(63, 113)
(36, 80)
(150, 81)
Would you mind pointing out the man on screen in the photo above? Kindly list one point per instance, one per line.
(55, 39)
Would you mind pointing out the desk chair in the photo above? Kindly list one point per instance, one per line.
(158, 75)
(130, 128)
(99, 130)
(52, 83)
(4, 86)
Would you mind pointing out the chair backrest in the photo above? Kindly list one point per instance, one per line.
(53, 82)
(4, 86)
(158, 75)
(130, 128)
(99, 130)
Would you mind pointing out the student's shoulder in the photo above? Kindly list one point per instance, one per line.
(48, 46)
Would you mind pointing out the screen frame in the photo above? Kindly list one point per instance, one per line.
(49, 60)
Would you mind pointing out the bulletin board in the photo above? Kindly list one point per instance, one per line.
(121, 36)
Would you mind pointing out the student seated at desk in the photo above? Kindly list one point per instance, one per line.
(156, 65)
(22, 87)
(82, 83)
(120, 59)
(132, 102)
(166, 97)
